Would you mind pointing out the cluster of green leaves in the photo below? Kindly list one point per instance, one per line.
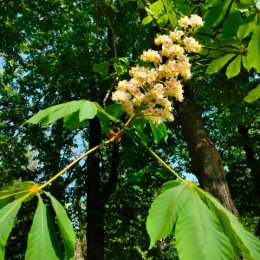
(203, 228)
(76, 113)
(43, 242)
(191, 212)
(236, 26)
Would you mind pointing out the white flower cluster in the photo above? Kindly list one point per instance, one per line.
(148, 91)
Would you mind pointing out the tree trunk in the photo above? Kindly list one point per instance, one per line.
(205, 158)
(253, 164)
(251, 160)
(97, 195)
(95, 205)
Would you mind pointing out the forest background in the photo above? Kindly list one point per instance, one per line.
(55, 51)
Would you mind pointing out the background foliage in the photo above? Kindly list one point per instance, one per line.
(53, 52)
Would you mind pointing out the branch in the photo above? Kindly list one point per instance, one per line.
(240, 52)
(110, 27)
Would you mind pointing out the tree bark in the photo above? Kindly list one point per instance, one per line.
(97, 195)
(95, 205)
(205, 158)
(251, 160)
(253, 164)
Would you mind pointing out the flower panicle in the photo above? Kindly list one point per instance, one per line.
(148, 92)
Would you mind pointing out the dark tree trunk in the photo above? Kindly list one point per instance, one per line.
(251, 161)
(253, 164)
(205, 158)
(96, 195)
(95, 205)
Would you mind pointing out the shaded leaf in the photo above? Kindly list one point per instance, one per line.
(7, 217)
(65, 227)
(215, 15)
(159, 131)
(102, 67)
(140, 125)
(231, 24)
(39, 244)
(55, 239)
(111, 112)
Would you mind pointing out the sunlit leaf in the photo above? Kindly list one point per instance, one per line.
(253, 95)
(65, 227)
(165, 211)
(246, 27)
(218, 63)
(7, 217)
(39, 244)
(243, 242)
(253, 52)
(199, 236)
(233, 68)
(73, 112)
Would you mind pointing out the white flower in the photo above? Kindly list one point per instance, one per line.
(191, 45)
(184, 22)
(151, 56)
(162, 39)
(196, 21)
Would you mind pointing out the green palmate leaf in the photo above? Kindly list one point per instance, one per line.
(65, 227)
(55, 239)
(253, 52)
(183, 6)
(216, 14)
(87, 111)
(140, 126)
(246, 27)
(102, 67)
(159, 131)
(74, 113)
(7, 217)
(246, 64)
(147, 19)
(243, 242)
(218, 63)
(199, 236)
(233, 68)
(231, 24)
(170, 184)
(157, 7)
(40, 244)
(165, 211)
(253, 95)
(16, 191)
(110, 113)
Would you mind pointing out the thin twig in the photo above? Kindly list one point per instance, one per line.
(241, 52)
